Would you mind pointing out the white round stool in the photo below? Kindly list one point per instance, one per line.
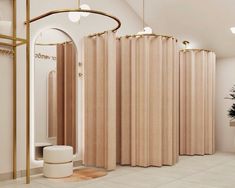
(58, 161)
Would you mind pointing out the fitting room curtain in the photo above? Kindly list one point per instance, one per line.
(52, 105)
(66, 95)
(100, 101)
(197, 95)
(149, 96)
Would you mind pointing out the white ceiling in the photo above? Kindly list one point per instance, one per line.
(205, 23)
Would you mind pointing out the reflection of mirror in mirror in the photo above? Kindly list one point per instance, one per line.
(54, 91)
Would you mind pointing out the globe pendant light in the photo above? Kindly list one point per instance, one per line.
(76, 16)
(146, 30)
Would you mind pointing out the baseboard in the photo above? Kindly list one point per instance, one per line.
(34, 171)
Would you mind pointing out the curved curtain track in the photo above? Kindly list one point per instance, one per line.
(197, 106)
(147, 134)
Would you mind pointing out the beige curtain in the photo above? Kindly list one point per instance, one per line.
(149, 95)
(197, 106)
(52, 105)
(100, 101)
(66, 95)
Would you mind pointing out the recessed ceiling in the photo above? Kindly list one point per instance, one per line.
(205, 23)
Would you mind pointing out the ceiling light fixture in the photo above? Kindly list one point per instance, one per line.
(232, 30)
(146, 30)
(85, 7)
(75, 16)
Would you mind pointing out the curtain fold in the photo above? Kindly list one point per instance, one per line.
(197, 95)
(66, 95)
(52, 105)
(149, 97)
(100, 101)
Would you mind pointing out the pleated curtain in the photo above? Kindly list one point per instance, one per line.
(148, 94)
(52, 105)
(197, 102)
(66, 95)
(100, 101)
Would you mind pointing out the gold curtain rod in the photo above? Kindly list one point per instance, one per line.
(199, 50)
(79, 10)
(52, 44)
(148, 35)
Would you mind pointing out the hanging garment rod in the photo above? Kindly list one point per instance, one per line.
(15, 41)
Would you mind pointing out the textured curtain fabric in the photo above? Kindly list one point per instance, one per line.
(197, 105)
(52, 105)
(100, 101)
(147, 133)
(66, 95)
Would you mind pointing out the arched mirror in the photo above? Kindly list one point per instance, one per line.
(54, 91)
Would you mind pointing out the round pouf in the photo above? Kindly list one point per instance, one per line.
(58, 170)
(58, 154)
(58, 161)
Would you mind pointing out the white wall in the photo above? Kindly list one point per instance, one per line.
(130, 24)
(225, 79)
(5, 113)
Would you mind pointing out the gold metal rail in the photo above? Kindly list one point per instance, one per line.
(14, 33)
(13, 43)
(52, 44)
(198, 50)
(28, 91)
(148, 35)
(14, 40)
(80, 10)
(186, 43)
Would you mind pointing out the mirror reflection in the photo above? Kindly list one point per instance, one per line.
(54, 91)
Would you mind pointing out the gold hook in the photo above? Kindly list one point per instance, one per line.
(186, 43)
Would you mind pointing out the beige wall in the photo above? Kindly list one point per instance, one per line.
(225, 79)
(130, 24)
